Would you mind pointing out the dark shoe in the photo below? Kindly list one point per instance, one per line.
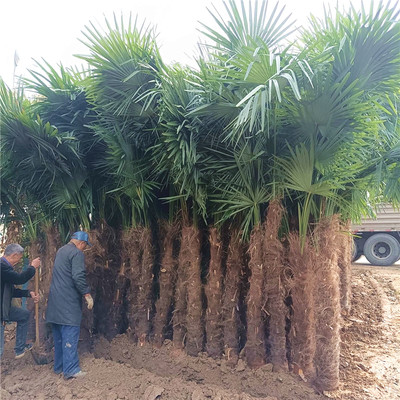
(79, 374)
(28, 347)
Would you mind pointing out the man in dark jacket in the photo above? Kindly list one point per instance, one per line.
(64, 308)
(9, 277)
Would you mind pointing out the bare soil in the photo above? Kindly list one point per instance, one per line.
(370, 362)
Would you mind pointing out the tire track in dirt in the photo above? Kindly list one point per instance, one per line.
(386, 362)
(371, 336)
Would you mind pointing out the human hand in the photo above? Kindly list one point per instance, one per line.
(35, 297)
(36, 263)
(89, 301)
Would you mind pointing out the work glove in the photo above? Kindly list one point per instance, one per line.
(89, 301)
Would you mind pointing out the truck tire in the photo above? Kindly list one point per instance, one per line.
(382, 249)
(355, 252)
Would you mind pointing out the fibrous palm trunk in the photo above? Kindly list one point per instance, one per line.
(180, 308)
(327, 357)
(302, 332)
(213, 291)
(145, 285)
(195, 336)
(102, 263)
(166, 281)
(14, 233)
(274, 291)
(230, 301)
(132, 256)
(255, 344)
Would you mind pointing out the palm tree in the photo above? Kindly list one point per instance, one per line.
(123, 65)
(181, 162)
(45, 164)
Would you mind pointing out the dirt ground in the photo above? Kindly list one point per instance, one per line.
(370, 364)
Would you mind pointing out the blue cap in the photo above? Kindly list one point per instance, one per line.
(80, 235)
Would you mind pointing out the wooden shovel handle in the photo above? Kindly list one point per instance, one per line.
(37, 307)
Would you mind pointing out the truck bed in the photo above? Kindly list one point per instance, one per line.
(388, 219)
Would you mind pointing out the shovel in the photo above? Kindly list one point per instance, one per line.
(40, 356)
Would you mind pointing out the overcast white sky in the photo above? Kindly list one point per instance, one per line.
(50, 29)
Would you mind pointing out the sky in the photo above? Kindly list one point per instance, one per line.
(51, 29)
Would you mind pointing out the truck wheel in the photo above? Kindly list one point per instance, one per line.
(382, 249)
(355, 252)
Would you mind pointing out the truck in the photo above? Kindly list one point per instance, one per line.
(378, 239)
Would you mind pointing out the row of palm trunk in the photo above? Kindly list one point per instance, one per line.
(206, 290)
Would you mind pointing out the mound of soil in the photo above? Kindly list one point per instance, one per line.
(120, 370)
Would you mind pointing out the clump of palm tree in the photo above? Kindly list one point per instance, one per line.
(226, 185)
